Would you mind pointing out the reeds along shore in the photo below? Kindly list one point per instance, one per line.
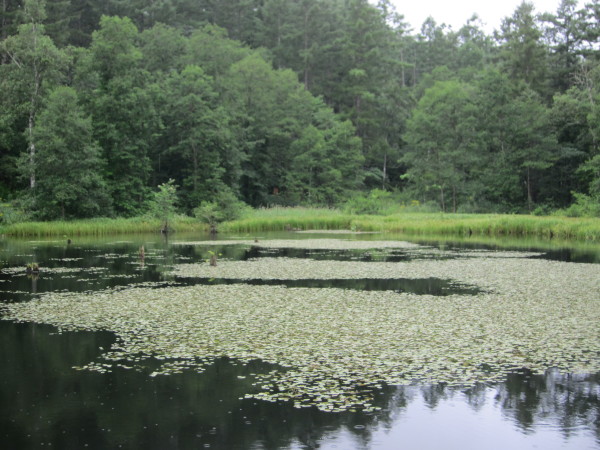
(421, 223)
(97, 227)
(294, 219)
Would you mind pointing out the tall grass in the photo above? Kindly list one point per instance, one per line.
(282, 219)
(98, 227)
(279, 219)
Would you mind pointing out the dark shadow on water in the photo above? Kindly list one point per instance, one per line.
(373, 255)
(424, 286)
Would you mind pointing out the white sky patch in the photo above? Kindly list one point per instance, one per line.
(457, 13)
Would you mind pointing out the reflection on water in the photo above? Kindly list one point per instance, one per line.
(44, 403)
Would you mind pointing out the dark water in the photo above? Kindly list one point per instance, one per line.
(45, 403)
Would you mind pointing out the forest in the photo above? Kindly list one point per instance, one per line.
(294, 102)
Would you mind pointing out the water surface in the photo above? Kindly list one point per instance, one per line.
(45, 403)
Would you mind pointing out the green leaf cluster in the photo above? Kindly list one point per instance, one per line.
(285, 102)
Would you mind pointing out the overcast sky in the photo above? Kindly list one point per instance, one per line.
(456, 13)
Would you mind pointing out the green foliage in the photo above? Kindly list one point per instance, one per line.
(442, 145)
(376, 202)
(120, 97)
(66, 164)
(196, 135)
(590, 170)
(523, 53)
(287, 103)
(164, 204)
(583, 206)
(33, 65)
(11, 214)
(225, 206)
(326, 167)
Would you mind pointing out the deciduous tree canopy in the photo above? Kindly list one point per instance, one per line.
(293, 102)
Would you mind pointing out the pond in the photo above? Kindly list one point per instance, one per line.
(299, 340)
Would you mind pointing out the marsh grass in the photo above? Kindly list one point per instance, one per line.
(98, 227)
(280, 219)
(287, 219)
(299, 218)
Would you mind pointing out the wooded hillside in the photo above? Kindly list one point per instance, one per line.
(294, 102)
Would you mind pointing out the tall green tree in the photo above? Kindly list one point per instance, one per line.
(164, 204)
(441, 143)
(145, 14)
(500, 184)
(84, 20)
(270, 109)
(326, 166)
(164, 49)
(436, 47)
(210, 48)
(564, 31)
(569, 120)
(58, 21)
(9, 20)
(534, 145)
(120, 96)
(67, 163)
(522, 53)
(518, 141)
(35, 65)
(196, 137)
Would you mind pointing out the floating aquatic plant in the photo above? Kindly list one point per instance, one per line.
(54, 270)
(335, 347)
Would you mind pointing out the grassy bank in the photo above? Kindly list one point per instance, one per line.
(280, 219)
(97, 227)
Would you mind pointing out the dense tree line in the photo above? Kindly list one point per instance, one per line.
(294, 102)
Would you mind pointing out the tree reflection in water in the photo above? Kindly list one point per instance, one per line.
(567, 402)
(45, 401)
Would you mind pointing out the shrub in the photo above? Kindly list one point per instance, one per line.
(223, 208)
(543, 210)
(377, 202)
(584, 206)
(10, 214)
(164, 202)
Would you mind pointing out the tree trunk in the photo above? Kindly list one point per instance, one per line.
(37, 84)
(442, 199)
(357, 100)
(414, 83)
(403, 75)
(454, 199)
(195, 165)
(31, 148)
(278, 37)
(384, 171)
(3, 32)
(529, 195)
(306, 69)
